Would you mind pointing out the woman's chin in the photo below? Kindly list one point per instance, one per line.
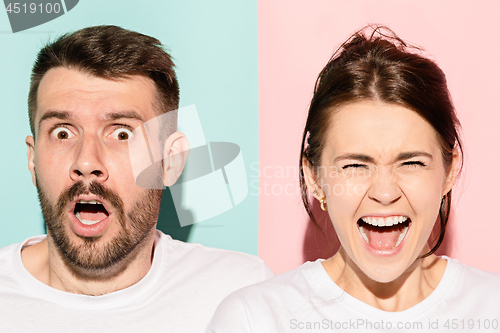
(384, 277)
(384, 273)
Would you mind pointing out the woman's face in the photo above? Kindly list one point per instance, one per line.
(383, 177)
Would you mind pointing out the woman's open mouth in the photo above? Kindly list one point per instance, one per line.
(384, 233)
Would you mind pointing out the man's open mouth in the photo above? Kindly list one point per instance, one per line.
(384, 233)
(90, 212)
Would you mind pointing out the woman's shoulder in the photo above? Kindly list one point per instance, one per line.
(472, 279)
(304, 281)
(266, 301)
(295, 279)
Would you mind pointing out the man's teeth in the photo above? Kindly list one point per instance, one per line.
(86, 222)
(92, 202)
(384, 222)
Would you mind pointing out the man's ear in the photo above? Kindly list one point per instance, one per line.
(175, 153)
(311, 180)
(30, 143)
(452, 172)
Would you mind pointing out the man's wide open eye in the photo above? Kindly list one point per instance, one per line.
(62, 133)
(121, 134)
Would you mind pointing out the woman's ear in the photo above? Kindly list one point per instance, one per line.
(175, 154)
(452, 172)
(311, 180)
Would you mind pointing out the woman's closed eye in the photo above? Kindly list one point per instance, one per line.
(414, 164)
(355, 166)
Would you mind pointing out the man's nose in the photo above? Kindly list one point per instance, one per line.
(384, 188)
(89, 163)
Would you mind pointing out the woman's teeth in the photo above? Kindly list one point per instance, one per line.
(384, 222)
(401, 236)
(383, 233)
(363, 234)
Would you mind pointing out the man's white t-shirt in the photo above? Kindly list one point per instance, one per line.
(307, 300)
(180, 292)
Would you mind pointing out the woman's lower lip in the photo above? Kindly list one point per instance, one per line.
(84, 230)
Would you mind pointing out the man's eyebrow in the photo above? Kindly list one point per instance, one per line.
(124, 114)
(359, 157)
(110, 116)
(53, 114)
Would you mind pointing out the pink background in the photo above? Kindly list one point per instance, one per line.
(296, 38)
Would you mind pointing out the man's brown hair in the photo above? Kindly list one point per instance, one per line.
(108, 52)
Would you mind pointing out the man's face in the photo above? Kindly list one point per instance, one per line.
(96, 215)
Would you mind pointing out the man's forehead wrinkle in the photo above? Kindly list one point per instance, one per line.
(123, 114)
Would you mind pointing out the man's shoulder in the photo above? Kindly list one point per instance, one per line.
(12, 251)
(201, 259)
(11, 267)
(6, 253)
(197, 278)
(7, 249)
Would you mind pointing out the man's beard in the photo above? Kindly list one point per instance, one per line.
(89, 256)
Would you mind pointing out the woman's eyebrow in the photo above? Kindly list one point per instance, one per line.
(412, 154)
(359, 157)
(369, 159)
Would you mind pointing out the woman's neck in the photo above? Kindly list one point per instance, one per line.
(413, 286)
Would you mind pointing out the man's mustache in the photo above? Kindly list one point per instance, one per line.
(94, 187)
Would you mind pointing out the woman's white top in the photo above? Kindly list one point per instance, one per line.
(307, 300)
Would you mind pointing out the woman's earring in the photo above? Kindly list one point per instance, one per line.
(315, 192)
(323, 204)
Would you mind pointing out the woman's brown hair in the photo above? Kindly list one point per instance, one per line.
(380, 66)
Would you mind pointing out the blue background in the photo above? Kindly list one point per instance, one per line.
(214, 45)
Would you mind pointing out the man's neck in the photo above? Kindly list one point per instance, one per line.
(45, 263)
